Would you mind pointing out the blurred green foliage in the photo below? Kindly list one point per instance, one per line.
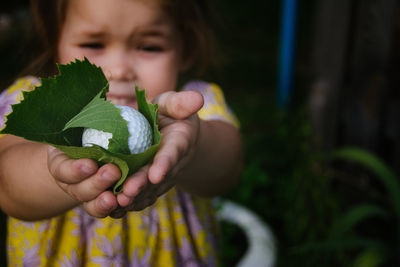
(282, 182)
(323, 213)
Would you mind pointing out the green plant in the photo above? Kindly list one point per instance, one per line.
(368, 232)
(280, 181)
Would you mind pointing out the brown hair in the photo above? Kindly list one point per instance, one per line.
(192, 19)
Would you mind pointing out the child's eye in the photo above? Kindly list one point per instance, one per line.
(92, 45)
(150, 48)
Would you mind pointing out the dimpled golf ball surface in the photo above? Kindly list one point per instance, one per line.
(140, 132)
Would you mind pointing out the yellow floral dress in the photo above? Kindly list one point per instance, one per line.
(178, 230)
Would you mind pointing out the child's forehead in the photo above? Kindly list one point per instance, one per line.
(107, 8)
(104, 14)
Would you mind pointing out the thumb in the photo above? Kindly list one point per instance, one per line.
(179, 105)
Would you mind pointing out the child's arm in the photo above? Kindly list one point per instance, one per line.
(217, 162)
(202, 157)
(38, 181)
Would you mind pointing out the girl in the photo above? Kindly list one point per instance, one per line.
(61, 213)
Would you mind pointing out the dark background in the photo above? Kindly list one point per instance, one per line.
(324, 210)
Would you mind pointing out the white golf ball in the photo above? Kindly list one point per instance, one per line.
(140, 132)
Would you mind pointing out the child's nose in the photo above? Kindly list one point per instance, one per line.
(121, 68)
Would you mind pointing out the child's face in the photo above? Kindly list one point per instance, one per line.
(133, 41)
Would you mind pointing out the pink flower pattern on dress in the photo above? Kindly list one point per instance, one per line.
(6, 100)
(31, 258)
(141, 262)
(150, 221)
(113, 253)
(186, 257)
(74, 261)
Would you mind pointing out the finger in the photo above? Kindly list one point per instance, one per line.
(93, 186)
(159, 169)
(67, 170)
(132, 186)
(101, 206)
(124, 200)
(179, 105)
(174, 147)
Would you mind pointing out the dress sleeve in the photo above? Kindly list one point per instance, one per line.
(13, 95)
(215, 106)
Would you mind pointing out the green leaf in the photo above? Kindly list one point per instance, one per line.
(150, 112)
(354, 216)
(43, 113)
(56, 112)
(370, 258)
(382, 172)
(102, 115)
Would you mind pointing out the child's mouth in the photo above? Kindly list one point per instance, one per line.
(122, 93)
(122, 100)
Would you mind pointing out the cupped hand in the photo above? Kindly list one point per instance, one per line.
(85, 182)
(179, 126)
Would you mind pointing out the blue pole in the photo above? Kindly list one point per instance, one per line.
(287, 45)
